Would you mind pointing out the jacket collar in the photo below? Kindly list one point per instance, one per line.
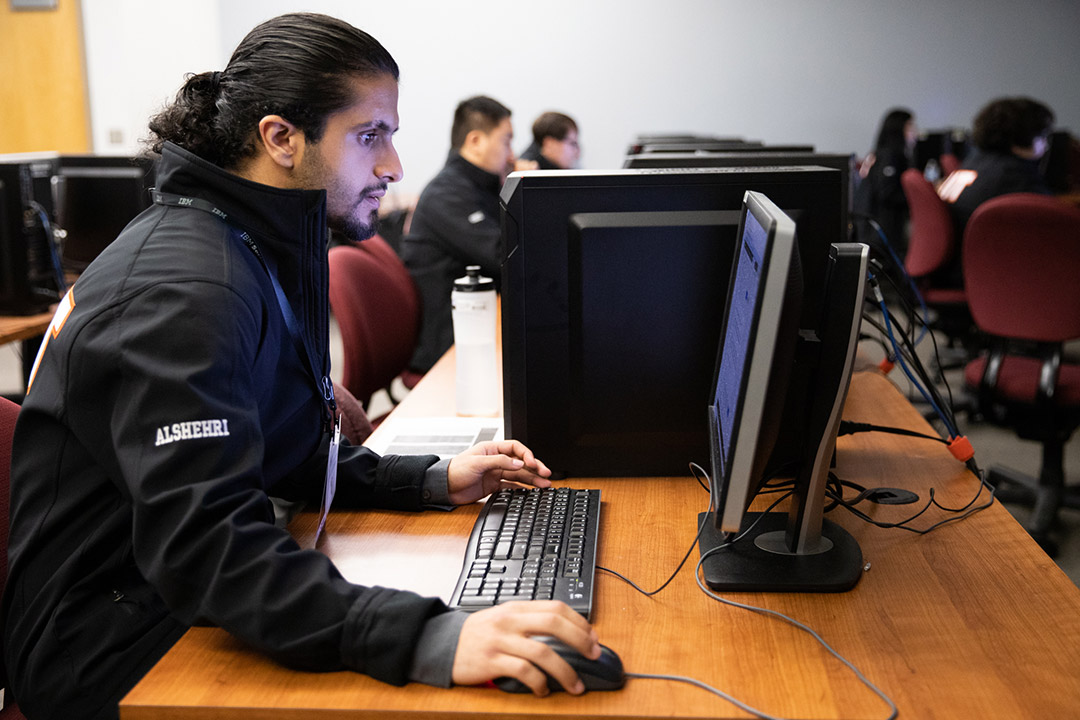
(275, 216)
(475, 174)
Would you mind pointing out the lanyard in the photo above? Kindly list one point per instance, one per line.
(323, 386)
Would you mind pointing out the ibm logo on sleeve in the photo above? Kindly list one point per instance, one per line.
(191, 430)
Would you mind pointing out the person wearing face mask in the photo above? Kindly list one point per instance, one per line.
(456, 221)
(1010, 137)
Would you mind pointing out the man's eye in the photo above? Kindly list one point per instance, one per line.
(368, 138)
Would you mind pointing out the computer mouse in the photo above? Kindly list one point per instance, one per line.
(604, 673)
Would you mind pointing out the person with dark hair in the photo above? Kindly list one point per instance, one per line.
(1010, 137)
(879, 195)
(185, 381)
(555, 142)
(456, 220)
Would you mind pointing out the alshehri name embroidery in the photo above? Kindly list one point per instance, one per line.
(191, 430)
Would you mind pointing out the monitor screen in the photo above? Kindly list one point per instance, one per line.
(614, 285)
(756, 353)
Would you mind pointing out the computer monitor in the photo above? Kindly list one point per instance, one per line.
(796, 551)
(96, 197)
(614, 285)
(708, 146)
(643, 139)
(30, 276)
(764, 156)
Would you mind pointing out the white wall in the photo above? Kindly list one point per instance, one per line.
(137, 53)
(782, 71)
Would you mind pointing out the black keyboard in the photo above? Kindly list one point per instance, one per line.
(532, 544)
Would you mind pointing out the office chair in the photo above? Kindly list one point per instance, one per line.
(931, 248)
(355, 425)
(949, 163)
(1021, 264)
(377, 309)
(8, 412)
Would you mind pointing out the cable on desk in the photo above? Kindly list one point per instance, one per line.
(964, 511)
(697, 471)
(765, 611)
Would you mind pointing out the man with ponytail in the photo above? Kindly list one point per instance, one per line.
(185, 382)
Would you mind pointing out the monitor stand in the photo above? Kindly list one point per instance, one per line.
(762, 562)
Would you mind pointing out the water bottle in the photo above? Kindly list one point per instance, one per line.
(473, 308)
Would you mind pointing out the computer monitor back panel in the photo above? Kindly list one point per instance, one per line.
(97, 196)
(764, 156)
(610, 323)
(28, 264)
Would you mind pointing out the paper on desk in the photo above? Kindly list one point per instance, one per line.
(442, 436)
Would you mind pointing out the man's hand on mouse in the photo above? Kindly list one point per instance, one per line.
(497, 642)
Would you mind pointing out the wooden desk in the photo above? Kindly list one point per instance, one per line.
(970, 621)
(23, 327)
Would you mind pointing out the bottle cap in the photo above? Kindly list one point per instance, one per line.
(473, 281)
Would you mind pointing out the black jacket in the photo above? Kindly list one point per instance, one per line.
(163, 410)
(455, 224)
(533, 153)
(997, 174)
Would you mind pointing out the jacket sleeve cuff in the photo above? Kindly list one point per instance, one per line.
(433, 661)
(435, 493)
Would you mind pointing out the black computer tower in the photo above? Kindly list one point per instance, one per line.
(30, 275)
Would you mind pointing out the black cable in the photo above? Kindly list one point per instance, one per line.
(848, 427)
(913, 358)
(964, 511)
(694, 469)
(50, 246)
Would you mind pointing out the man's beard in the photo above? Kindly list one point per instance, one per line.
(353, 229)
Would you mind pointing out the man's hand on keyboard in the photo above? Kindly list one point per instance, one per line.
(496, 642)
(481, 470)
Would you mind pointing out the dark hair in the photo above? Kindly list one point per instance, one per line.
(297, 66)
(554, 125)
(1006, 123)
(891, 134)
(477, 113)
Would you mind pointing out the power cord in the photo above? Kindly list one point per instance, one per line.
(696, 469)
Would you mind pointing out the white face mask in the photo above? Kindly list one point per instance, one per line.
(1039, 146)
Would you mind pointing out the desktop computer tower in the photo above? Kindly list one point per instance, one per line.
(30, 275)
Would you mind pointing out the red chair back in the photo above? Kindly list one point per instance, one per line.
(1022, 267)
(932, 240)
(377, 309)
(8, 412)
(949, 164)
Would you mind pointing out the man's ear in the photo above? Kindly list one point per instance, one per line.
(282, 140)
(471, 148)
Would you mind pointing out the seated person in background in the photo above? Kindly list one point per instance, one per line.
(555, 142)
(456, 221)
(184, 383)
(880, 195)
(1010, 136)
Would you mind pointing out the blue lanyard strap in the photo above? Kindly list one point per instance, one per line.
(323, 385)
